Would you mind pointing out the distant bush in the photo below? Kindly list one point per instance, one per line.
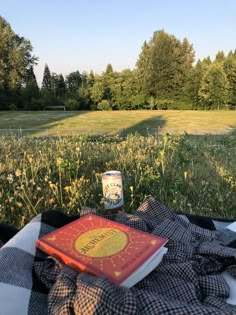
(165, 104)
(12, 107)
(182, 105)
(72, 104)
(37, 104)
(104, 105)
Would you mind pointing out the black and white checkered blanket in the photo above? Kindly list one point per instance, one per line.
(188, 281)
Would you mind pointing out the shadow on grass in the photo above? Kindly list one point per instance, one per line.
(145, 127)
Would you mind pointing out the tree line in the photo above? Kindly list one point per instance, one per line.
(165, 76)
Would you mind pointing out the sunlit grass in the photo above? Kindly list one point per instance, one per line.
(195, 174)
(116, 122)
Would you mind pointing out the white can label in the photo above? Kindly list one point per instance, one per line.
(112, 190)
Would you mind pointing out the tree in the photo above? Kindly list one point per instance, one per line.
(109, 69)
(84, 90)
(97, 90)
(220, 57)
(15, 60)
(164, 65)
(53, 89)
(143, 73)
(194, 83)
(58, 85)
(47, 80)
(214, 87)
(230, 70)
(184, 64)
(152, 103)
(123, 87)
(30, 93)
(73, 83)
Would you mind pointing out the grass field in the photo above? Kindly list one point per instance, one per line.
(117, 122)
(190, 172)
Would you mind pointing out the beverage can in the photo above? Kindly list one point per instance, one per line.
(112, 190)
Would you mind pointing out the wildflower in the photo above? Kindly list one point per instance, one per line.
(10, 178)
(131, 188)
(38, 188)
(18, 173)
(10, 199)
(185, 175)
(59, 161)
(32, 181)
(51, 201)
(51, 185)
(67, 188)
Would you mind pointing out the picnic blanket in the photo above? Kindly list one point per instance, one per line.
(188, 281)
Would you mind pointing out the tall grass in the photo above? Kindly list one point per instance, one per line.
(186, 173)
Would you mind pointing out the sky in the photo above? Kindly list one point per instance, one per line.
(71, 35)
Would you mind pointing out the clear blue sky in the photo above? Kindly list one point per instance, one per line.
(72, 35)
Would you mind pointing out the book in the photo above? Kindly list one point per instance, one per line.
(103, 247)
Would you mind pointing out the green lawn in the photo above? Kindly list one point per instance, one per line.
(117, 122)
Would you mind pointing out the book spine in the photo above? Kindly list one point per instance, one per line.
(51, 251)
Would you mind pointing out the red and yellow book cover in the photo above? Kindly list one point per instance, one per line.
(101, 247)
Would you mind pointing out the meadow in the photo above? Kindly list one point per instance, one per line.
(190, 171)
(51, 123)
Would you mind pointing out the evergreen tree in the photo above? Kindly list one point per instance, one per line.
(107, 80)
(230, 70)
(206, 62)
(58, 85)
(143, 73)
(194, 83)
(220, 57)
(90, 78)
(30, 93)
(214, 87)
(47, 80)
(164, 65)
(109, 69)
(31, 80)
(184, 66)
